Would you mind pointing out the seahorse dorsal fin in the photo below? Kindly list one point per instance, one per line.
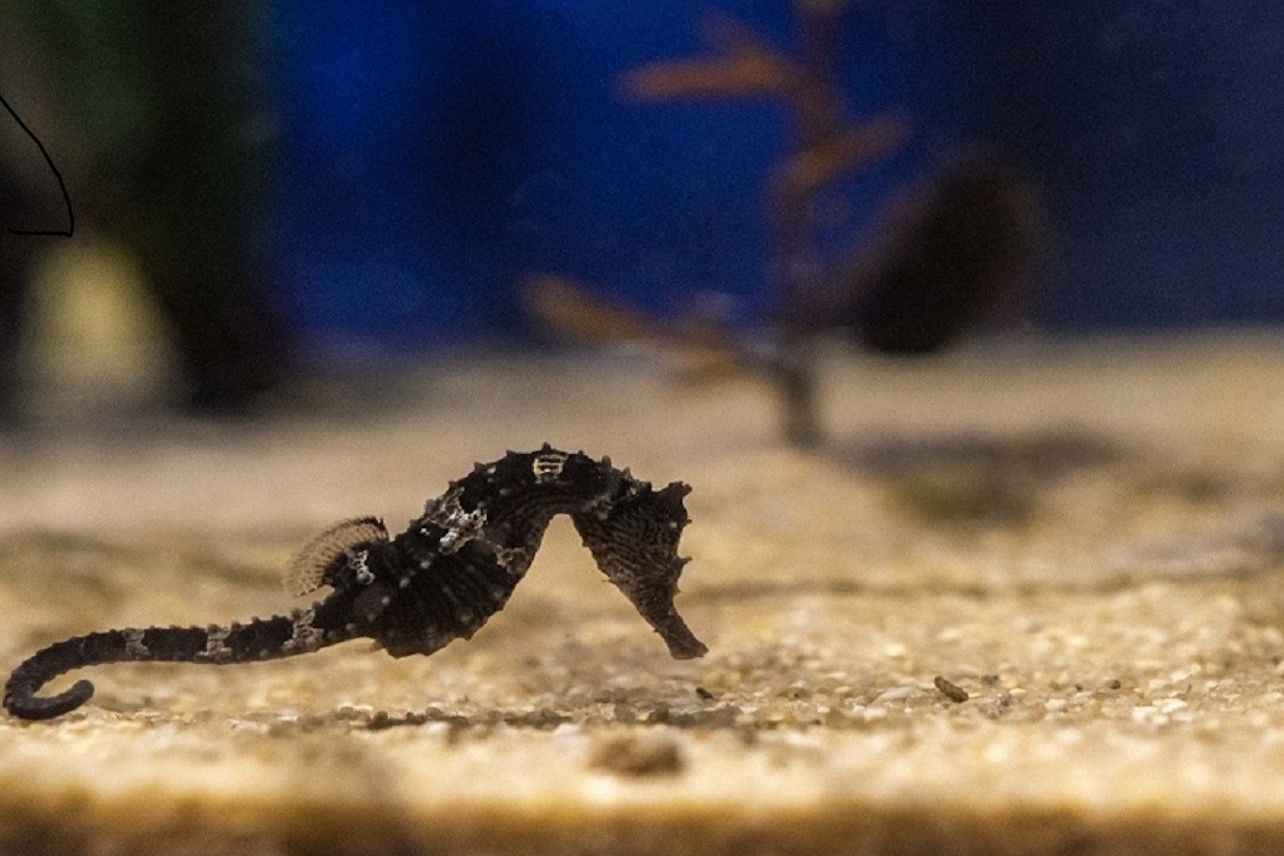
(307, 570)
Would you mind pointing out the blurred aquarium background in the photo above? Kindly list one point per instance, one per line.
(312, 187)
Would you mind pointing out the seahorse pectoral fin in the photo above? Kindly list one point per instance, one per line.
(310, 566)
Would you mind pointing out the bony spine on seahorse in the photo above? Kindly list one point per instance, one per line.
(440, 580)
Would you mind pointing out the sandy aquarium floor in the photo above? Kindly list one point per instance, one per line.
(1028, 598)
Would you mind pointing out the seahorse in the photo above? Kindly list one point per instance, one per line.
(440, 580)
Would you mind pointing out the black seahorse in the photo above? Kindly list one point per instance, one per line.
(440, 580)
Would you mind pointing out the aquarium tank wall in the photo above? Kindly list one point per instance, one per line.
(432, 157)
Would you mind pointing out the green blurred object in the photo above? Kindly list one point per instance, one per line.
(155, 116)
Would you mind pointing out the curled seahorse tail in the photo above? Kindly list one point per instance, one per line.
(20, 690)
(299, 632)
(92, 649)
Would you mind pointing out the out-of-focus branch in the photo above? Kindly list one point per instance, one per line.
(801, 176)
(742, 66)
(824, 146)
(576, 313)
(571, 311)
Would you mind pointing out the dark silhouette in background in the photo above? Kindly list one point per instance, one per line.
(53, 168)
(153, 105)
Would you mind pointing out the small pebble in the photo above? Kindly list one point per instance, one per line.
(643, 754)
(953, 692)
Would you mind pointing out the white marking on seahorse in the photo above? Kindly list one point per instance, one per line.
(547, 466)
(358, 561)
(303, 636)
(461, 527)
(515, 560)
(134, 646)
(215, 647)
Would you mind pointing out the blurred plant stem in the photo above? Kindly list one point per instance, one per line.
(823, 146)
(949, 251)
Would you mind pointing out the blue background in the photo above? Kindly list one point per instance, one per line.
(436, 153)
